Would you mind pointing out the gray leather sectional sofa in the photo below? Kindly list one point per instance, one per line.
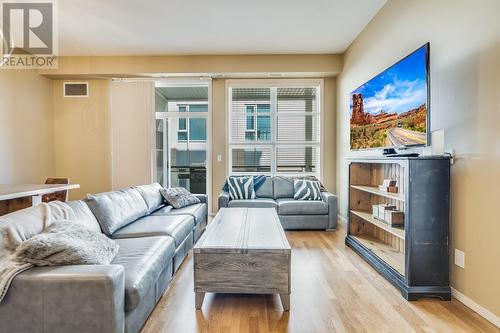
(153, 240)
(277, 192)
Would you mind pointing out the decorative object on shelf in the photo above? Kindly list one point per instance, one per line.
(388, 182)
(394, 218)
(388, 214)
(383, 208)
(392, 189)
(389, 185)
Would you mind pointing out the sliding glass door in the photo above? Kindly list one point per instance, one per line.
(182, 142)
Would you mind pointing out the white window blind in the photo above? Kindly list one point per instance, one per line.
(274, 129)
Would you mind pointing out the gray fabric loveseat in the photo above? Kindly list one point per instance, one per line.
(153, 240)
(277, 192)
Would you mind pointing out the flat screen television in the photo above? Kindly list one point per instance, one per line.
(392, 109)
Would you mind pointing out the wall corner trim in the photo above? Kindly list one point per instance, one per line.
(483, 312)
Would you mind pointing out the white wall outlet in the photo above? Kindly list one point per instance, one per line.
(219, 158)
(459, 258)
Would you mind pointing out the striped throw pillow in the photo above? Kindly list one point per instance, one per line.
(306, 189)
(241, 188)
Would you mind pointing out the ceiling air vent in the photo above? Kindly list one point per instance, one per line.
(76, 89)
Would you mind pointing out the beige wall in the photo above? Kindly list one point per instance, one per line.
(26, 127)
(219, 135)
(465, 102)
(83, 138)
(132, 133)
(329, 134)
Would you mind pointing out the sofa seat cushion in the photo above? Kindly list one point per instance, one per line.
(301, 207)
(116, 209)
(198, 211)
(176, 226)
(163, 210)
(143, 260)
(254, 203)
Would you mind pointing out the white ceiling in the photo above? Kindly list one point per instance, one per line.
(153, 27)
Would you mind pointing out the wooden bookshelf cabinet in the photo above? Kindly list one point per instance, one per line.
(414, 257)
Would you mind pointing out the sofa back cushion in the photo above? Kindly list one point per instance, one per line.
(265, 190)
(151, 195)
(23, 224)
(116, 209)
(84, 215)
(283, 188)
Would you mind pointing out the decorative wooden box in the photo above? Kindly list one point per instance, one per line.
(394, 218)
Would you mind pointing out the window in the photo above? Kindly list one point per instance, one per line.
(192, 129)
(274, 129)
(258, 126)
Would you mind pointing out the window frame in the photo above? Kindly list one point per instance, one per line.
(187, 120)
(274, 142)
(255, 114)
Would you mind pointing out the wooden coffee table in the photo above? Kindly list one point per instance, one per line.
(243, 250)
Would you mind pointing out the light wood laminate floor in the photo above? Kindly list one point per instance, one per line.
(333, 290)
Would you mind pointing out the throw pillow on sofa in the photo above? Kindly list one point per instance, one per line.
(241, 187)
(306, 189)
(258, 181)
(179, 197)
(304, 177)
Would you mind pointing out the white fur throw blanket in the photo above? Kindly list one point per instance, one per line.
(67, 243)
(9, 268)
(48, 234)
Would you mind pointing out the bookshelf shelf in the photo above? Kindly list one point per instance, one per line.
(385, 252)
(398, 232)
(376, 191)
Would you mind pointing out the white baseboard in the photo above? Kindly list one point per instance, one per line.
(342, 219)
(485, 313)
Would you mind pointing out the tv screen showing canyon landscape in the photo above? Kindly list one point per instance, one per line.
(390, 110)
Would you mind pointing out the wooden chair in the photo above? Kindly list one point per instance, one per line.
(60, 195)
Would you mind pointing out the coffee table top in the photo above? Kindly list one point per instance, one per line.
(239, 229)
